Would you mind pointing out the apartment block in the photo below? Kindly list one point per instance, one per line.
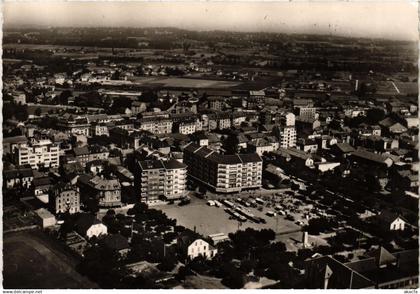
(37, 153)
(156, 123)
(64, 197)
(223, 173)
(161, 180)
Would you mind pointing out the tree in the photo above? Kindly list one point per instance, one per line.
(167, 264)
(374, 115)
(15, 111)
(64, 97)
(38, 111)
(233, 278)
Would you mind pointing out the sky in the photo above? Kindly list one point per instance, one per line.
(378, 19)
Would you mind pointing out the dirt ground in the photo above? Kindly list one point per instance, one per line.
(31, 261)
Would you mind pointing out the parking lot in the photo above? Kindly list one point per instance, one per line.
(212, 219)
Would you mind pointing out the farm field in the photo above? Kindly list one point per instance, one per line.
(31, 261)
(183, 82)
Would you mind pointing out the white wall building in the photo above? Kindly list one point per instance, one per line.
(38, 153)
(201, 247)
(288, 137)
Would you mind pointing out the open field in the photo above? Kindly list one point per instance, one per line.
(31, 261)
(202, 282)
(211, 220)
(182, 82)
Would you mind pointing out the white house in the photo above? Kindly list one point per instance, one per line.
(392, 221)
(88, 225)
(397, 224)
(201, 247)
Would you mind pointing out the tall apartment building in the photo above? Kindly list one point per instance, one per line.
(223, 173)
(307, 114)
(64, 197)
(287, 132)
(160, 180)
(37, 153)
(288, 137)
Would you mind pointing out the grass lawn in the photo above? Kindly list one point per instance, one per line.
(32, 261)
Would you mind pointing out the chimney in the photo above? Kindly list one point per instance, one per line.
(305, 239)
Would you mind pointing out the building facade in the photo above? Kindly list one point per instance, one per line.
(64, 198)
(38, 153)
(223, 173)
(161, 180)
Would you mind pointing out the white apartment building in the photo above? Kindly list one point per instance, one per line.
(290, 119)
(288, 137)
(38, 153)
(160, 180)
(156, 125)
(190, 127)
(99, 130)
(223, 173)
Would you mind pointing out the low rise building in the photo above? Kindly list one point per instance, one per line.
(88, 226)
(192, 247)
(20, 176)
(46, 219)
(379, 269)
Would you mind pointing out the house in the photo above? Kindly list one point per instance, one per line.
(391, 221)
(193, 247)
(20, 176)
(117, 243)
(307, 145)
(397, 128)
(295, 155)
(261, 146)
(404, 180)
(88, 225)
(45, 218)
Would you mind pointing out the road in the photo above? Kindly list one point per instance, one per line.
(63, 106)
